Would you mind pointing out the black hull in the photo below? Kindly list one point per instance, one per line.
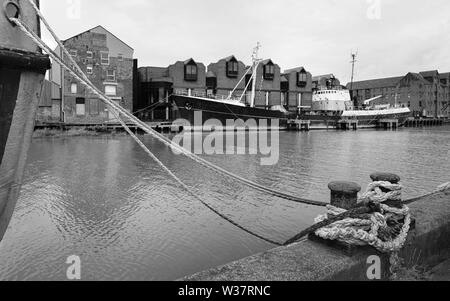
(186, 108)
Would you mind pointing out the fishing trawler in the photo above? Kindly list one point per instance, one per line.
(22, 71)
(330, 106)
(188, 107)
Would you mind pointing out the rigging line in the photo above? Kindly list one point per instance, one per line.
(235, 88)
(154, 105)
(85, 81)
(117, 116)
(185, 187)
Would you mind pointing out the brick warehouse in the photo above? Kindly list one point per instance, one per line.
(427, 94)
(109, 64)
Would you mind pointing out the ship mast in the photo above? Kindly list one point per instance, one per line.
(354, 55)
(256, 61)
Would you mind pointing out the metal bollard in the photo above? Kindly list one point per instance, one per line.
(344, 194)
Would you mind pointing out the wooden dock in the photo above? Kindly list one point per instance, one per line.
(299, 125)
(347, 124)
(425, 122)
(388, 124)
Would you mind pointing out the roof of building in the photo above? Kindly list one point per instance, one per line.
(376, 83)
(429, 73)
(284, 78)
(418, 76)
(298, 69)
(229, 58)
(96, 27)
(445, 75)
(188, 61)
(319, 77)
(265, 62)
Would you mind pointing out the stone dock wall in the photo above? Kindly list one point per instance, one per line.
(307, 260)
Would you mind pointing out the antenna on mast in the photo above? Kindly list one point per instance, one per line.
(353, 55)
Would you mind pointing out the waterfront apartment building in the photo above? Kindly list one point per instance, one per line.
(109, 64)
(427, 94)
(296, 89)
(190, 77)
(156, 84)
(268, 87)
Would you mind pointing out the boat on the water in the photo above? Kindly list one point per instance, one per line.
(22, 72)
(195, 110)
(331, 106)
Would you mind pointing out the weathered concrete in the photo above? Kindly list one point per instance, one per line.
(307, 260)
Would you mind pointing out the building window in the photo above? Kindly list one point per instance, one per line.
(302, 79)
(190, 72)
(93, 107)
(73, 52)
(89, 69)
(420, 104)
(269, 71)
(74, 88)
(111, 90)
(111, 75)
(232, 68)
(104, 58)
(120, 57)
(80, 107)
(89, 54)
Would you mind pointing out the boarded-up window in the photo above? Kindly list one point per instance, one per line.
(93, 107)
(111, 90)
(80, 107)
(73, 88)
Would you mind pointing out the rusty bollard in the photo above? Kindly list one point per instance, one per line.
(391, 178)
(344, 194)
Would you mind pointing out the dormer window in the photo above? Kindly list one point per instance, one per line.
(269, 71)
(302, 79)
(232, 68)
(190, 71)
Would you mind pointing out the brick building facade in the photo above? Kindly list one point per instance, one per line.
(291, 89)
(156, 84)
(296, 89)
(427, 94)
(224, 76)
(109, 63)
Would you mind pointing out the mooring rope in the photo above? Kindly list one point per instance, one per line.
(374, 199)
(116, 114)
(84, 80)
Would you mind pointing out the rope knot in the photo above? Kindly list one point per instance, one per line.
(383, 227)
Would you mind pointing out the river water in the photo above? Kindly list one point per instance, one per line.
(103, 200)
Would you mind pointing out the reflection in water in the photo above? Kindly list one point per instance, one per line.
(104, 200)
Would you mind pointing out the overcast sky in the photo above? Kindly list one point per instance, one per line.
(392, 37)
